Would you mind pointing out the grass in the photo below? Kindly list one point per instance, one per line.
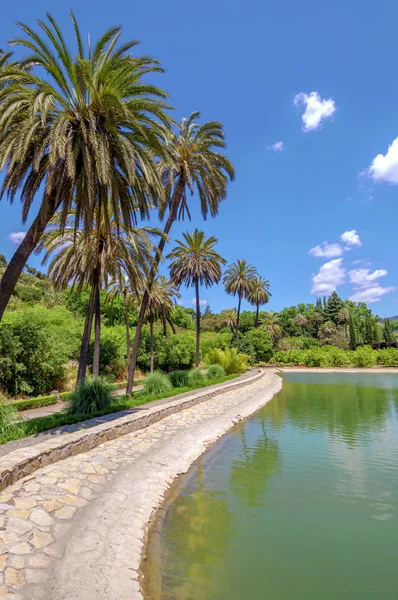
(33, 426)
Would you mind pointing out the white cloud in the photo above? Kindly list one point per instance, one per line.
(277, 147)
(201, 302)
(329, 276)
(351, 238)
(385, 167)
(316, 109)
(17, 236)
(366, 287)
(326, 250)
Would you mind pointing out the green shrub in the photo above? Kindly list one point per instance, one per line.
(261, 343)
(229, 359)
(112, 352)
(35, 345)
(215, 371)
(179, 379)
(156, 383)
(196, 377)
(21, 405)
(315, 358)
(182, 318)
(364, 357)
(219, 340)
(337, 357)
(9, 420)
(176, 352)
(289, 357)
(93, 396)
(244, 346)
(65, 396)
(388, 357)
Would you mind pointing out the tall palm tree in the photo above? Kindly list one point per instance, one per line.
(258, 294)
(343, 317)
(195, 263)
(94, 258)
(238, 279)
(270, 322)
(162, 297)
(172, 291)
(301, 322)
(192, 162)
(81, 126)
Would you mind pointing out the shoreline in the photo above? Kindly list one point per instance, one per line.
(130, 502)
(373, 370)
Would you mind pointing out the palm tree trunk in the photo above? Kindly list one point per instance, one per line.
(237, 318)
(152, 360)
(97, 330)
(175, 202)
(127, 321)
(24, 250)
(257, 311)
(197, 323)
(164, 321)
(83, 359)
(173, 327)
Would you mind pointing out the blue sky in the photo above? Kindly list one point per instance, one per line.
(253, 66)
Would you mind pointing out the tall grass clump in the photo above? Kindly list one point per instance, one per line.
(231, 361)
(215, 372)
(9, 419)
(196, 377)
(157, 383)
(179, 379)
(93, 396)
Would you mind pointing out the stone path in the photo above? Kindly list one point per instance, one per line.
(75, 530)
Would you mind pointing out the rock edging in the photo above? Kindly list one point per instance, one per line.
(23, 462)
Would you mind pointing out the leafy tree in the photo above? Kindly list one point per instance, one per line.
(262, 344)
(369, 334)
(195, 263)
(181, 318)
(82, 126)
(258, 294)
(353, 333)
(238, 279)
(192, 161)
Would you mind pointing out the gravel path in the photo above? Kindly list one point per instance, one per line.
(75, 530)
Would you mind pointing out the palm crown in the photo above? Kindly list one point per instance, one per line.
(238, 278)
(195, 260)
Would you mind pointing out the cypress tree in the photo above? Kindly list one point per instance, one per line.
(387, 332)
(353, 333)
(368, 330)
(324, 303)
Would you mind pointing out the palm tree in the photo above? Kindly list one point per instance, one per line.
(326, 331)
(121, 286)
(195, 263)
(344, 318)
(228, 318)
(238, 279)
(192, 161)
(94, 258)
(172, 291)
(162, 297)
(270, 322)
(301, 322)
(81, 126)
(258, 294)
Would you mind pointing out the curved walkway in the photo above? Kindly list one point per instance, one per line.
(75, 530)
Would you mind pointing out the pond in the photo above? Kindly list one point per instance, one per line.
(298, 502)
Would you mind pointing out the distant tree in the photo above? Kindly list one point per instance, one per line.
(343, 317)
(326, 331)
(228, 318)
(301, 321)
(207, 311)
(333, 307)
(3, 261)
(237, 279)
(324, 303)
(369, 333)
(195, 263)
(388, 335)
(353, 333)
(270, 322)
(258, 294)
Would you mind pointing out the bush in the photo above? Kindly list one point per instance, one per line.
(21, 405)
(364, 357)
(215, 371)
(244, 346)
(229, 359)
(176, 352)
(112, 352)
(156, 383)
(182, 318)
(388, 357)
(219, 340)
(35, 345)
(91, 397)
(261, 343)
(196, 377)
(179, 379)
(9, 420)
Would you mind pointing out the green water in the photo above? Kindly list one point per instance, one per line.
(297, 503)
